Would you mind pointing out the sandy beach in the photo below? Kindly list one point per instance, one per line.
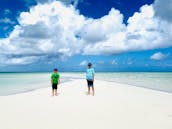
(114, 106)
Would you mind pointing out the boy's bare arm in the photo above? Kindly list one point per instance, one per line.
(59, 81)
(93, 77)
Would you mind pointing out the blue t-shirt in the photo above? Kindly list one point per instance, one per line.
(90, 74)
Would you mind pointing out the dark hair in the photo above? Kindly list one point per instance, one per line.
(55, 69)
(89, 64)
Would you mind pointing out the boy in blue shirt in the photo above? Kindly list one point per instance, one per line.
(90, 78)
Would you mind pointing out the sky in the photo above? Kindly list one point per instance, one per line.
(114, 35)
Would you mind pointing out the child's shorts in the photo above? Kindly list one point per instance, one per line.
(90, 83)
(54, 86)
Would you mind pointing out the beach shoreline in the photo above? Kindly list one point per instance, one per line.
(70, 80)
(114, 105)
(23, 82)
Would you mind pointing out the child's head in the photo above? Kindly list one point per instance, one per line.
(89, 65)
(55, 70)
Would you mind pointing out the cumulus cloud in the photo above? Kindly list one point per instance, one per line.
(163, 9)
(6, 21)
(83, 63)
(5, 28)
(97, 30)
(101, 62)
(48, 30)
(114, 62)
(53, 31)
(44, 1)
(144, 32)
(7, 11)
(66, 2)
(159, 56)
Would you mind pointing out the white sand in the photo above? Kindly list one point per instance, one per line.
(114, 106)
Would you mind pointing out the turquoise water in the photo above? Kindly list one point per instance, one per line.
(161, 81)
(12, 83)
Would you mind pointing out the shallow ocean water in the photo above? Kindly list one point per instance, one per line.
(12, 83)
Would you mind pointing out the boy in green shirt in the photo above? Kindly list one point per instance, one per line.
(55, 80)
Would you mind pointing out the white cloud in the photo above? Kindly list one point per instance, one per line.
(114, 62)
(129, 62)
(163, 9)
(7, 11)
(56, 31)
(66, 2)
(5, 28)
(143, 32)
(45, 1)
(101, 62)
(159, 56)
(83, 63)
(46, 31)
(6, 21)
(16, 60)
(97, 30)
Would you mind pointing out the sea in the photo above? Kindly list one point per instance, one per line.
(14, 83)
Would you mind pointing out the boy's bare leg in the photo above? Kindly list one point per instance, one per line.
(56, 92)
(52, 92)
(88, 90)
(93, 90)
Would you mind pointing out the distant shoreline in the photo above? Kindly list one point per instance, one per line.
(96, 72)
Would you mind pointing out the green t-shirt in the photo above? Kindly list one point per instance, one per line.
(55, 78)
